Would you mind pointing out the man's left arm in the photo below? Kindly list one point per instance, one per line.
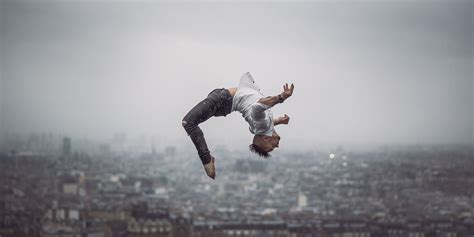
(273, 100)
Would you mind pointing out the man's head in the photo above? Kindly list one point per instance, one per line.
(263, 145)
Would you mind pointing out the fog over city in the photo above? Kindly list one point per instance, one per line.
(365, 72)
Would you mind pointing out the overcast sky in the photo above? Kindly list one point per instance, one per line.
(364, 71)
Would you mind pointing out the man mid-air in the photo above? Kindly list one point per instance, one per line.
(255, 108)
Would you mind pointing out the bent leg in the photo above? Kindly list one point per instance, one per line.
(198, 114)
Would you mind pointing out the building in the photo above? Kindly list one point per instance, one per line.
(149, 221)
(67, 147)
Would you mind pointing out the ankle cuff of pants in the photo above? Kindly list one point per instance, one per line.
(205, 159)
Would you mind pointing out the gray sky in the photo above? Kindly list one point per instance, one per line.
(364, 71)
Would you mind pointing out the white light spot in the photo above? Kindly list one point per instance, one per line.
(344, 163)
(331, 156)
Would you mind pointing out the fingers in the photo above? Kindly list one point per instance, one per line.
(286, 87)
(286, 119)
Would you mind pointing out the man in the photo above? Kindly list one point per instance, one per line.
(255, 108)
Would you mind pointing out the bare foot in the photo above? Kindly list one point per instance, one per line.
(210, 168)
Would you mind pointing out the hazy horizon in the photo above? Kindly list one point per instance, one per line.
(365, 72)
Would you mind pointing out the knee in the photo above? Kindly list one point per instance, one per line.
(188, 127)
(184, 123)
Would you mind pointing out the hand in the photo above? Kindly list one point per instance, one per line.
(287, 91)
(284, 120)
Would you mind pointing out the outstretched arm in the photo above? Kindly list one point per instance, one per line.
(273, 100)
(281, 120)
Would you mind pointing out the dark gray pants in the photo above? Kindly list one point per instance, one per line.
(217, 103)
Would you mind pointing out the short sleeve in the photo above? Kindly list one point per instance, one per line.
(247, 81)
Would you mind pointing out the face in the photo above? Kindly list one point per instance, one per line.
(270, 143)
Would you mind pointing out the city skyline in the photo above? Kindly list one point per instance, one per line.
(410, 190)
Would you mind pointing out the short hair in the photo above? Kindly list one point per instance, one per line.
(257, 150)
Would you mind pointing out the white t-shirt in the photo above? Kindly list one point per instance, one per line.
(258, 115)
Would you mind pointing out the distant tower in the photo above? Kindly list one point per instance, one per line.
(67, 146)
